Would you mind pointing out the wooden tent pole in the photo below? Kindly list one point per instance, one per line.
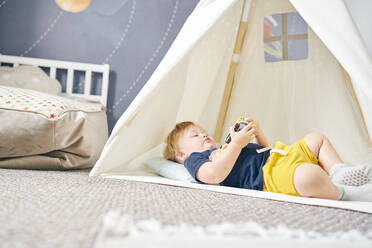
(231, 76)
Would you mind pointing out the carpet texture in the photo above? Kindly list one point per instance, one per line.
(65, 208)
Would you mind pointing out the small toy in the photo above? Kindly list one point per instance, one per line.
(239, 125)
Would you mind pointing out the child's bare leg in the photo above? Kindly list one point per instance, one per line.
(312, 181)
(330, 161)
(322, 149)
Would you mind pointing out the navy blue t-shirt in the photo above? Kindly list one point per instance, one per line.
(247, 170)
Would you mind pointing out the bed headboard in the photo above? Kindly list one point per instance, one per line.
(52, 66)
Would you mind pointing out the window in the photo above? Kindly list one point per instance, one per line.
(285, 37)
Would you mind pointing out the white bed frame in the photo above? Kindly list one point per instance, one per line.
(53, 65)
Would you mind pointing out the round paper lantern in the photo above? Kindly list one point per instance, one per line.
(73, 5)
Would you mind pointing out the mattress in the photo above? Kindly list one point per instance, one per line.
(45, 131)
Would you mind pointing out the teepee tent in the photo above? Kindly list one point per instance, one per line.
(238, 58)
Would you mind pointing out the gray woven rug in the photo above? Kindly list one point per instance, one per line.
(65, 208)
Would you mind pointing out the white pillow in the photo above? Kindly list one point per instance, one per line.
(29, 77)
(169, 169)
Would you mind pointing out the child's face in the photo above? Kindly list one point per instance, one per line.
(194, 139)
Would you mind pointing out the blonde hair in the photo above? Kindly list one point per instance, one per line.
(171, 148)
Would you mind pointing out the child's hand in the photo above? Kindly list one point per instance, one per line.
(244, 136)
(254, 124)
(257, 132)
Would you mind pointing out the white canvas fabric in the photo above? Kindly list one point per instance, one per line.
(293, 98)
(288, 98)
(342, 38)
(187, 85)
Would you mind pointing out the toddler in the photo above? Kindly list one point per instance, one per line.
(310, 167)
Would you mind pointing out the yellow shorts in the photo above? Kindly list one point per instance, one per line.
(279, 169)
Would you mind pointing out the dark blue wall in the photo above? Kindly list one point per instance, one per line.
(130, 35)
